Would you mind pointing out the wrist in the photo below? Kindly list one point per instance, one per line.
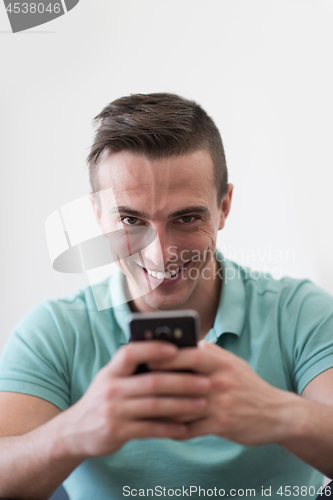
(292, 419)
(64, 441)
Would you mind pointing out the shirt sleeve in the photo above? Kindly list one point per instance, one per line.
(34, 359)
(310, 313)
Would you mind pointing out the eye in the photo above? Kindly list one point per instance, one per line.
(131, 221)
(185, 219)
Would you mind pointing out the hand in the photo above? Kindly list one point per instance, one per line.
(119, 406)
(241, 407)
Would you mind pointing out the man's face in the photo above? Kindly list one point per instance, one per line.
(177, 198)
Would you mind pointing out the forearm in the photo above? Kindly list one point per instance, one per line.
(308, 432)
(33, 465)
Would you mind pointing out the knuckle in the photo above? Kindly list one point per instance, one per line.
(229, 364)
(190, 385)
(112, 391)
(172, 431)
(164, 429)
(220, 384)
(188, 407)
(196, 355)
(153, 383)
(158, 429)
(107, 392)
(126, 354)
(152, 405)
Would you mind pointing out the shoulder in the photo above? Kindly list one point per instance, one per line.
(290, 294)
(63, 319)
(56, 312)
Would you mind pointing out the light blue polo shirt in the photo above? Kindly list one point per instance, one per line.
(282, 328)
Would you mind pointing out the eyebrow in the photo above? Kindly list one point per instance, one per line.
(198, 209)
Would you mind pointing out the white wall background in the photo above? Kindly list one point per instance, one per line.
(261, 68)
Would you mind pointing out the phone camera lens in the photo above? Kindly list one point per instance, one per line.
(163, 332)
(178, 333)
(148, 334)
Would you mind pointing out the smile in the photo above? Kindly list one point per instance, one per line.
(161, 275)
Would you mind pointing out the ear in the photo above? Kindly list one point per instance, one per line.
(225, 205)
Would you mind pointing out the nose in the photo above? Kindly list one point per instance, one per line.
(161, 250)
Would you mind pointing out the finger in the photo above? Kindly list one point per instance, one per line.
(191, 417)
(161, 407)
(199, 427)
(200, 360)
(128, 357)
(142, 429)
(207, 346)
(167, 384)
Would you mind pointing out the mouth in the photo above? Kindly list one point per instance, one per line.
(166, 276)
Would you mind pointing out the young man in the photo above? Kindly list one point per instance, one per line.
(255, 416)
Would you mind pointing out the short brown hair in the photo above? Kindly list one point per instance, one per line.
(157, 126)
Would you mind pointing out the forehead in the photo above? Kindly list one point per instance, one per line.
(158, 182)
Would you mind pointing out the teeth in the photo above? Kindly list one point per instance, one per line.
(160, 275)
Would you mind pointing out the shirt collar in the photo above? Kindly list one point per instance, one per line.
(230, 316)
(119, 301)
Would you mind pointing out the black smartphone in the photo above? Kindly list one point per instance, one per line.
(182, 328)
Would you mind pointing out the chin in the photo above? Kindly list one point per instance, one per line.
(164, 303)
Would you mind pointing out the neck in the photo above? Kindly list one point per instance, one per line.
(204, 299)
